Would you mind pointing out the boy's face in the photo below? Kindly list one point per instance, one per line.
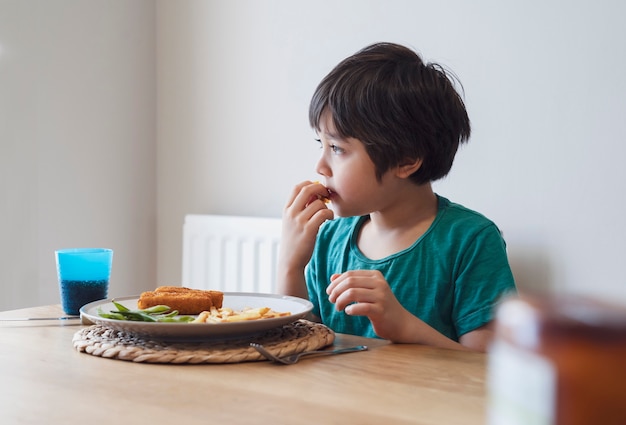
(349, 173)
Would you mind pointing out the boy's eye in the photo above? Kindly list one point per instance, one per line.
(336, 149)
(333, 148)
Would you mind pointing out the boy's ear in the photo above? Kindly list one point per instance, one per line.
(408, 167)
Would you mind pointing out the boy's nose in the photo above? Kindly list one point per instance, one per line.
(322, 168)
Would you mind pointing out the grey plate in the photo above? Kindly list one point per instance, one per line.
(298, 308)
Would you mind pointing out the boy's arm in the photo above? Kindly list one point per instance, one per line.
(478, 339)
(367, 293)
(416, 331)
(291, 282)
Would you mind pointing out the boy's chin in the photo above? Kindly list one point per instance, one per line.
(339, 212)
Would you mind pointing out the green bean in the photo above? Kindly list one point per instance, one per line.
(138, 316)
(120, 307)
(157, 313)
(112, 315)
(157, 309)
(179, 319)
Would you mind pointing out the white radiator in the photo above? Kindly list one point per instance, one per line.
(230, 253)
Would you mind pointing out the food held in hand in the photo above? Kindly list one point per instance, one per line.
(184, 300)
(325, 199)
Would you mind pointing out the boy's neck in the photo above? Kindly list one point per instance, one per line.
(399, 226)
(414, 205)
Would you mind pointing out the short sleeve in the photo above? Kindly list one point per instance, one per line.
(483, 279)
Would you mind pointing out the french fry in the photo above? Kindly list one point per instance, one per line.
(226, 315)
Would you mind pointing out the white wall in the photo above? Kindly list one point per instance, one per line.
(544, 84)
(77, 141)
(98, 146)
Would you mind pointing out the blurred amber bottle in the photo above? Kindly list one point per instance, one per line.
(557, 361)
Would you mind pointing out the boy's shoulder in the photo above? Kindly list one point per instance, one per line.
(458, 211)
(455, 216)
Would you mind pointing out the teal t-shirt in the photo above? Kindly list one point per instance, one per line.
(451, 277)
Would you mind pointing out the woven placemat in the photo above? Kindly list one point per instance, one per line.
(295, 337)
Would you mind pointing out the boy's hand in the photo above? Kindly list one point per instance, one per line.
(303, 215)
(367, 293)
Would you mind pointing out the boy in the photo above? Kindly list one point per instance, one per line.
(401, 262)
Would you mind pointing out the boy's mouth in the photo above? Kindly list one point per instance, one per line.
(325, 198)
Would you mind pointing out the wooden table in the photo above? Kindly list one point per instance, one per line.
(45, 380)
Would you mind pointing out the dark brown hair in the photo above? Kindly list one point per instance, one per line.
(400, 108)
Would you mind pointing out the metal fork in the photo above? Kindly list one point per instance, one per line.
(293, 358)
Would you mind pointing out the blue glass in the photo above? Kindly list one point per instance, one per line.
(83, 276)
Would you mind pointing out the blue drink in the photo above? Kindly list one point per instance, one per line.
(83, 276)
(77, 293)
